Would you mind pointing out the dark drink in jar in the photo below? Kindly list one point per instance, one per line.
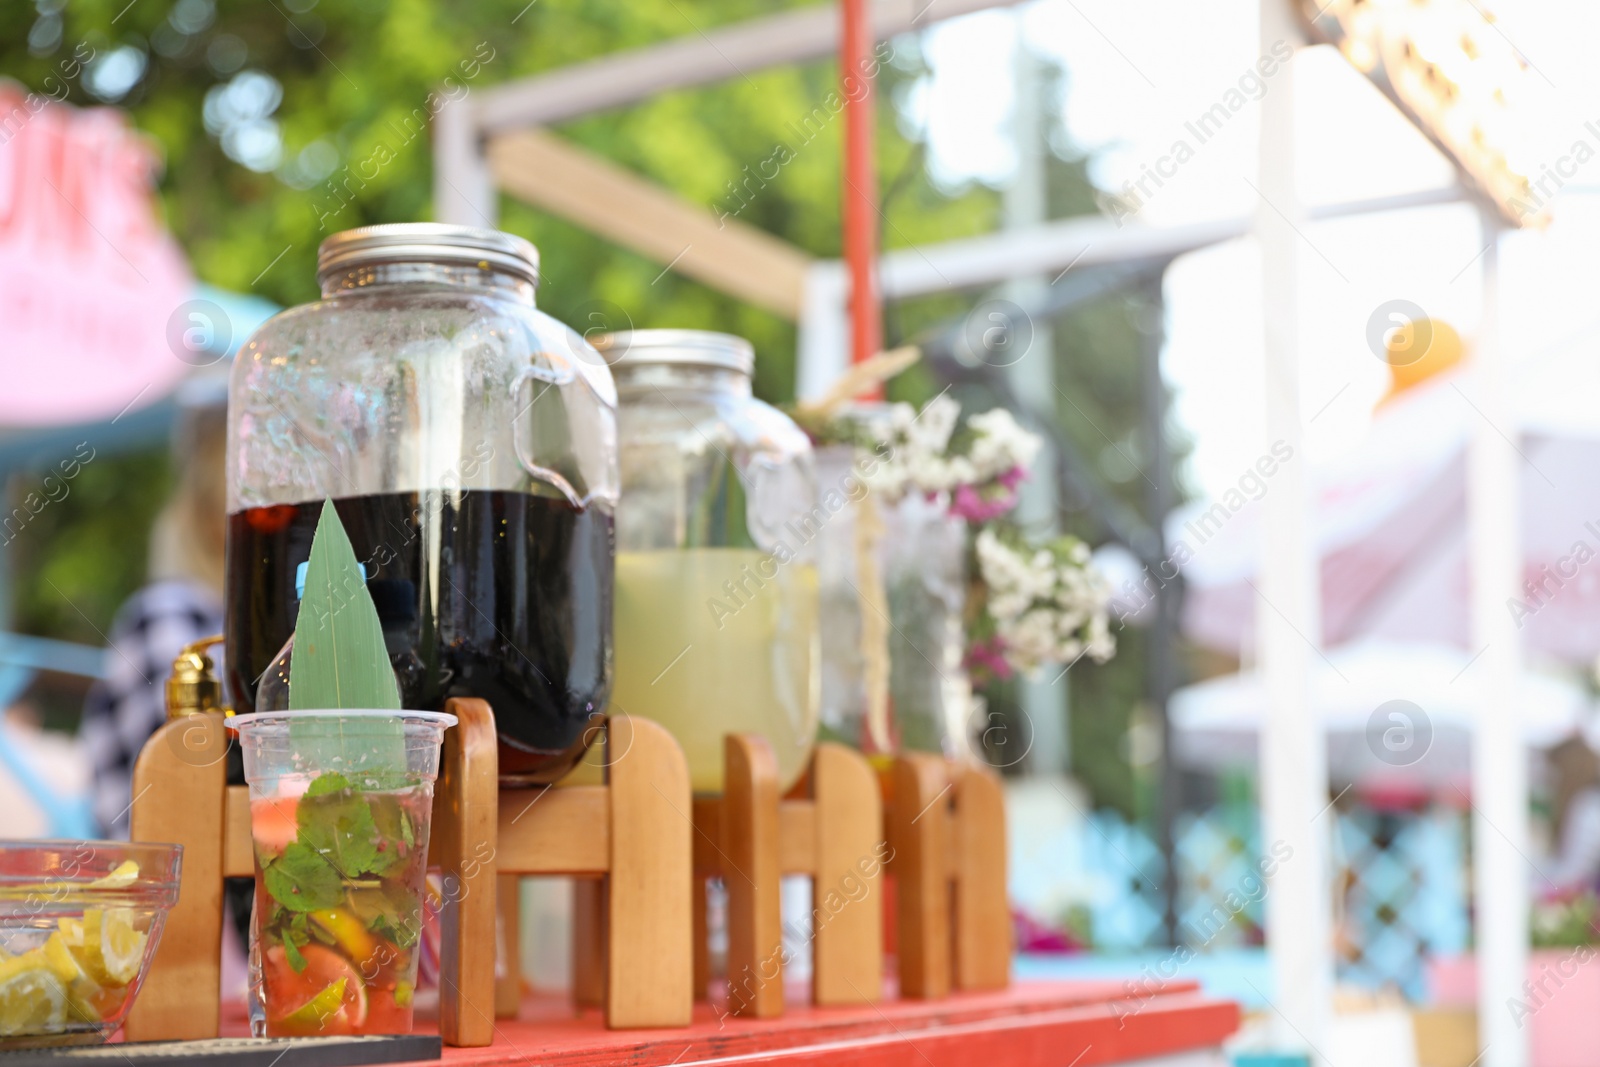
(500, 595)
(468, 443)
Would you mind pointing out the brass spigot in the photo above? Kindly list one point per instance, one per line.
(193, 687)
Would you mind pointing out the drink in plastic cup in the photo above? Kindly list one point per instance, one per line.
(340, 806)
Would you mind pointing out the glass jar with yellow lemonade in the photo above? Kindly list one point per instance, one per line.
(716, 582)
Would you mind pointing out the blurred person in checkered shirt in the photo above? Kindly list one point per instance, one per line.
(182, 603)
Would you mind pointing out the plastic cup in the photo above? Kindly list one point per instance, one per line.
(340, 807)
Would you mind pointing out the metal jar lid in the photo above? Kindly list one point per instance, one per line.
(682, 348)
(427, 242)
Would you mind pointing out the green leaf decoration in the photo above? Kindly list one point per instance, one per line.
(339, 659)
(301, 880)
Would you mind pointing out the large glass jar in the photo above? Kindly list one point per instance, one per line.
(894, 586)
(468, 442)
(924, 565)
(716, 624)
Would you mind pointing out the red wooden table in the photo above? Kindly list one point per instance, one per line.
(1031, 1024)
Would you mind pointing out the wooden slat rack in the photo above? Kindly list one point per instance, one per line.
(642, 846)
(632, 833)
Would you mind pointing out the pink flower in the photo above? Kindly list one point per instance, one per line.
(1033, 935)
(969, 504)
(987, 657)
(1013, 477)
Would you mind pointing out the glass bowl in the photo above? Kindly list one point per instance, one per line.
(79, 922)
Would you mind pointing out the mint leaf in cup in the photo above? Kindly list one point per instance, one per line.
(339, 827)
(331, 782)
(301, 880)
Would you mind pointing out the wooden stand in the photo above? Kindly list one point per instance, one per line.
(943, 839)
(181, 795)
(633, 833)
(642, 850)
(946, 824)
(830, 829)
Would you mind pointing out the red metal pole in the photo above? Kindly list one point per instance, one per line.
(859, 199)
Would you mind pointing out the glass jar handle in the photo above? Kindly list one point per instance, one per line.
(774, 500)
(558, 373)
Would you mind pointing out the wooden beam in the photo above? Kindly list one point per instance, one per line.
(463, 190)
(589, 942)
(919, 833)
(238, 850)
(751, 873)
(808, 33)
(1092, 241)
(463, 843)
(180, 790)
(545, 845)
(594, 193)
(982, 918)
(847, 928)
(508, 967)
(797, 836)
(649, 916)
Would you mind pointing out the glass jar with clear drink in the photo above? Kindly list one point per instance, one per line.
(716, 579)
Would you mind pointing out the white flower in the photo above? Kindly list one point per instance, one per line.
(1047, 603)
(1031, 640)
(919, 443)
(889, 477)
(930, 431)
(1101, 645)
(921, 454)
(1000, 444)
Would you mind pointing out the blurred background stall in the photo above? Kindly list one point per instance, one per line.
(1291, 301)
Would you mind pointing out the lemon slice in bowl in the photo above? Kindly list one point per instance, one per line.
(108, 948)
(84, 995)
(71, 931)
(59, 958)
(83, 941)
(124, 875)
(32, 999)
(121, 945)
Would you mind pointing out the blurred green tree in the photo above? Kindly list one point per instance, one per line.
(284, 121)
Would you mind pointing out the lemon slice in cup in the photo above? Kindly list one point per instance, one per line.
(315, 1013)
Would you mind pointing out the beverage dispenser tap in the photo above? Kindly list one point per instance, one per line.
(193, 688)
